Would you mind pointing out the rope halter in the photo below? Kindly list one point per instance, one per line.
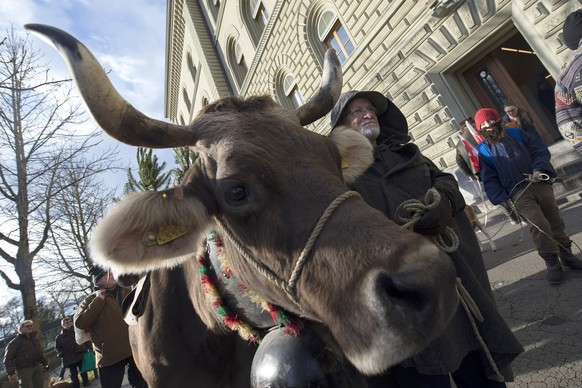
(288, 286)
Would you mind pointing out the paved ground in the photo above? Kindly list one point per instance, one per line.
(546, 319)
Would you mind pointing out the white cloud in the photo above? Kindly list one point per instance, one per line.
(127, 37)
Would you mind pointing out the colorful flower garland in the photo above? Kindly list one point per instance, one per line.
(291, 324)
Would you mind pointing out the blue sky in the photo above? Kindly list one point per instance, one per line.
(128, 37)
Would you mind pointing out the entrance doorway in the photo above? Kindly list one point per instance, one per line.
(512, 71)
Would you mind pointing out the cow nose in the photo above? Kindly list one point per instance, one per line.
(403, 294)
(423, 291)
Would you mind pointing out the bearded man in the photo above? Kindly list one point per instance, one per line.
(515, 166)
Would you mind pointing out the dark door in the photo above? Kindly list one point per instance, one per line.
(513, 71)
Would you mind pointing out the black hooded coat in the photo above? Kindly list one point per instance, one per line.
(399, 173)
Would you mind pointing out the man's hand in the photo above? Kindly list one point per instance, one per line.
(435, 221)
(12, 377)
(537, 176)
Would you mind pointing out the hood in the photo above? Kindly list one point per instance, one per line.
(393, 125)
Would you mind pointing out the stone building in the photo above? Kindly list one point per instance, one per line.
(439, 61)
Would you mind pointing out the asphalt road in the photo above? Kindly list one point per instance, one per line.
(546, 319)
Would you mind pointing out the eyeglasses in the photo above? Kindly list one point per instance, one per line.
(360, 112)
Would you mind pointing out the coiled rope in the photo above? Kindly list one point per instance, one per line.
(412, 210)
(408, 214)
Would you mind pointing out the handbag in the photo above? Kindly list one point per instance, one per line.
(88, 362)
(81, 336)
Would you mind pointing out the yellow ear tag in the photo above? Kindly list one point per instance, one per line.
(170, 233)
(345, 165)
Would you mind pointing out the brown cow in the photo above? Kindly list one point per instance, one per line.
(297, 236)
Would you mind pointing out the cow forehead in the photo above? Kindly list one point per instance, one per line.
(270, 137)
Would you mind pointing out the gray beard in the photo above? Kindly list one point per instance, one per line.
(371, 132)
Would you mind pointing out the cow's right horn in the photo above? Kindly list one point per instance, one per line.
(323, 101)
(111, 111)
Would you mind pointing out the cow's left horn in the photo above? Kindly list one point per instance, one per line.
(111, 111)
(324, 99)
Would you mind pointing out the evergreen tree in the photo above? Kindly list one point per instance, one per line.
(184, 158)
(150, 173)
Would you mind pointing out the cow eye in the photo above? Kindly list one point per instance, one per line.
(237, 193)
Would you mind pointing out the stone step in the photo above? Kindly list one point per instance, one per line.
(568, 164)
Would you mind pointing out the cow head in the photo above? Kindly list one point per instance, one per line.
(383, 292)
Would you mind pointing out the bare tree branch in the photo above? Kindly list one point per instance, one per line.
(44, 151)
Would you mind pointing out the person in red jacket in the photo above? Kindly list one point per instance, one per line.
(24, 360)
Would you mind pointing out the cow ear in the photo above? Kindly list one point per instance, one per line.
(356, 151)
(149, 230)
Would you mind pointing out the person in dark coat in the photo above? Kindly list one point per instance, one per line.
(507, 156)
(24, 359)
(520, 118)
(100, 314)
(476, 351)
(71, 353)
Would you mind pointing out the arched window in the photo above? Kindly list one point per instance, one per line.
(259, 13)
(187, 100)
(292, 91)
(331, 32)
(191, 67)
(256, 17)
(236, 59)
(213, 6)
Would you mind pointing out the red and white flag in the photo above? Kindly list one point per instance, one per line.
(472, 153)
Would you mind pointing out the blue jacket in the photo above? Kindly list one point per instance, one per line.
(504, 165)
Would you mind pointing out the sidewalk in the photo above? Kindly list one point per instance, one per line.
(546, 319)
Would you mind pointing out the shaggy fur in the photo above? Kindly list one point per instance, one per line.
(356, 151)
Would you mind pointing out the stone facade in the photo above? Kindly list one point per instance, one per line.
(412, 51)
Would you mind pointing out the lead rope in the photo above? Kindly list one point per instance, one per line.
(417, 209)
(289, 286)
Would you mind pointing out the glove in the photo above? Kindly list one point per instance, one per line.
(536, 176)
(435, 221)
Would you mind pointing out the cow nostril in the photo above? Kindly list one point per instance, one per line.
(403, 293)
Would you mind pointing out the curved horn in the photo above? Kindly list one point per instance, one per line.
(328, 93)
(111, 111)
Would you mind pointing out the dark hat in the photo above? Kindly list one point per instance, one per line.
(377, 99)
(484, 115)
(573, 29)
(97, 273)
